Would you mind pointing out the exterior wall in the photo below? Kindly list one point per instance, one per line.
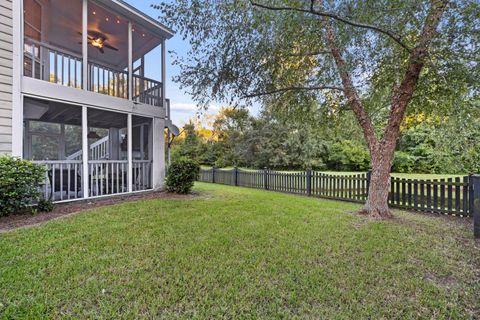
(6, 80)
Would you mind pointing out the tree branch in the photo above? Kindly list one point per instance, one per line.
(404, 92)
(308, 54)
(381, 30)
(293, 88)
(350, 92)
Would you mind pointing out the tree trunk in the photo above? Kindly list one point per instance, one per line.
(382, 151)
(377, 201)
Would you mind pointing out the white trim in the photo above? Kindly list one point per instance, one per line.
(85, 187)
(158, 153)
(17, 99)
(164, 76)
(139, 17)
(130, 61)
(130, 153)
(56, 92)
(89, 106)
(84, 45)
(124, 194)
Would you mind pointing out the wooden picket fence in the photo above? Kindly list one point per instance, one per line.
(446, 196)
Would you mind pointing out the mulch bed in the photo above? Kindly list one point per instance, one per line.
(66, 209)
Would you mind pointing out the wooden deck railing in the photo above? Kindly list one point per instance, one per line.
(56, 65)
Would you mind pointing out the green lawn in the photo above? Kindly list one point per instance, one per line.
(240, 253)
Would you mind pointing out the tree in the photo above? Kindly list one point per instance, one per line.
(374, 53)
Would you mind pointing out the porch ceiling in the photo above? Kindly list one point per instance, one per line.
(64, 24)
(57, 112)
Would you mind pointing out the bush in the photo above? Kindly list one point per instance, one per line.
(403, 162)
(19, 182)
(45, 205)
(348, 155)
(181, 175)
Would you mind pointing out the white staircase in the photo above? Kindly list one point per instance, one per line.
(98, 151)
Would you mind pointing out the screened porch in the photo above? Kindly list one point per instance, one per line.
(118, 149)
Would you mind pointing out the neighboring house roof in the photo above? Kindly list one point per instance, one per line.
(139, 17)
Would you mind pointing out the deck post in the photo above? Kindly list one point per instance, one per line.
(85, 45)
(129, 153)
(130, 61)
(158, 153)
(164, 76)
(85, 157)
(475, 191)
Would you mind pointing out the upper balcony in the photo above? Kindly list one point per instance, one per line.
(100, 46)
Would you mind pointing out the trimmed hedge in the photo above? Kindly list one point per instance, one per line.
(181, 175)
(19, 184)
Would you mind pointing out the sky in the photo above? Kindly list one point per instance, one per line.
(182, 105)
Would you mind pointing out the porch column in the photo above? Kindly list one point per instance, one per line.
(85, 45)
(17, 73)
(85, 152)
(130, 61)
(158, 153)
(164, 76)
(129, 153)
(113, 144)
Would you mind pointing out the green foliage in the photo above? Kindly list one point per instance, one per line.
(403, 162)
(331, 141)
(278, 58)
(181, 175)
(347, 155)
(19, 184)
(45, 205)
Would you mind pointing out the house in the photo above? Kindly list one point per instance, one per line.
(82, 92)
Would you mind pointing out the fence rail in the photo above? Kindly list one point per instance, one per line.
(447, 196)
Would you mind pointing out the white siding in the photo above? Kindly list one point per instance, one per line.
(6, 56)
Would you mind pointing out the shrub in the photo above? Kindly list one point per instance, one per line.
(403, 162)
(348, 155)
(181, 175)
(45, 205)
(19, 182)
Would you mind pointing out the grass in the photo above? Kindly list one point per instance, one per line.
(240, 253)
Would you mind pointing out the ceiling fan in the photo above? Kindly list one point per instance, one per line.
(99, 41)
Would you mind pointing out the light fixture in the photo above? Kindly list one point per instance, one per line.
(98, 43)
(106, 19)
(118, 21)
(94, 13)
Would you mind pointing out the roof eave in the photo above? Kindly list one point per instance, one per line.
(139, 17)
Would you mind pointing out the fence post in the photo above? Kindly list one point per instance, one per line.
(235, 176)
(309, 181)
(475, 191)
(213, 174)
(369, 177)
(265, 178)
